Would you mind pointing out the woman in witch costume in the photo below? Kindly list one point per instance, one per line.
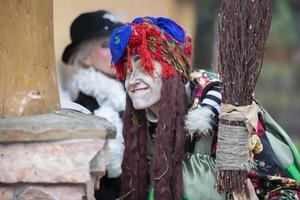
(169, 154)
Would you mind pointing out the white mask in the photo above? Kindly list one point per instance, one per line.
(143, 89)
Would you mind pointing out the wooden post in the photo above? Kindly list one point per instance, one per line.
(28, 84)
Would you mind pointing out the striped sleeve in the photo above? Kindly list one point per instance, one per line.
(212, 99)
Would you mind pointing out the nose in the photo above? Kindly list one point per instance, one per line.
(133, 79)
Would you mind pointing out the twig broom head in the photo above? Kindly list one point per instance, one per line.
(243, 30)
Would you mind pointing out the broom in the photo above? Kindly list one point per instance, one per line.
(243, 31)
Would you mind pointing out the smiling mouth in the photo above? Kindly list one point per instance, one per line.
(138, 90)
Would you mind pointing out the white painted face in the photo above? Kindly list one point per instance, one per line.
(143, 89)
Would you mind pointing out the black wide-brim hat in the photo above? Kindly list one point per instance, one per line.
(88, 25)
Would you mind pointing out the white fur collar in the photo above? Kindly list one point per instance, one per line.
(199, 121)
(110, 95)
(107, 91)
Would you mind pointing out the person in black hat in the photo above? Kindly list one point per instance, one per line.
(94, 85)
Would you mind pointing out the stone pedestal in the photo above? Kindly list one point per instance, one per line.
(55, 156)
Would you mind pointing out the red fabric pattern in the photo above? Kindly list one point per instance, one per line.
(150, 42)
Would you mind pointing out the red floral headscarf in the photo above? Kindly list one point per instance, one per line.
(152, 38)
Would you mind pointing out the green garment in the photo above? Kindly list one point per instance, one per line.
(283, 147)
(199, 173)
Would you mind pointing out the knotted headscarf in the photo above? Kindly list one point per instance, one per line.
(152, 38)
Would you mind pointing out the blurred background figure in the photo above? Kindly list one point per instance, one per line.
(93, 85)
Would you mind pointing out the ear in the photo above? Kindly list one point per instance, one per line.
(88, 60)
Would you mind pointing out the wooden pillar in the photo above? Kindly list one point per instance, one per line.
(28, 84)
